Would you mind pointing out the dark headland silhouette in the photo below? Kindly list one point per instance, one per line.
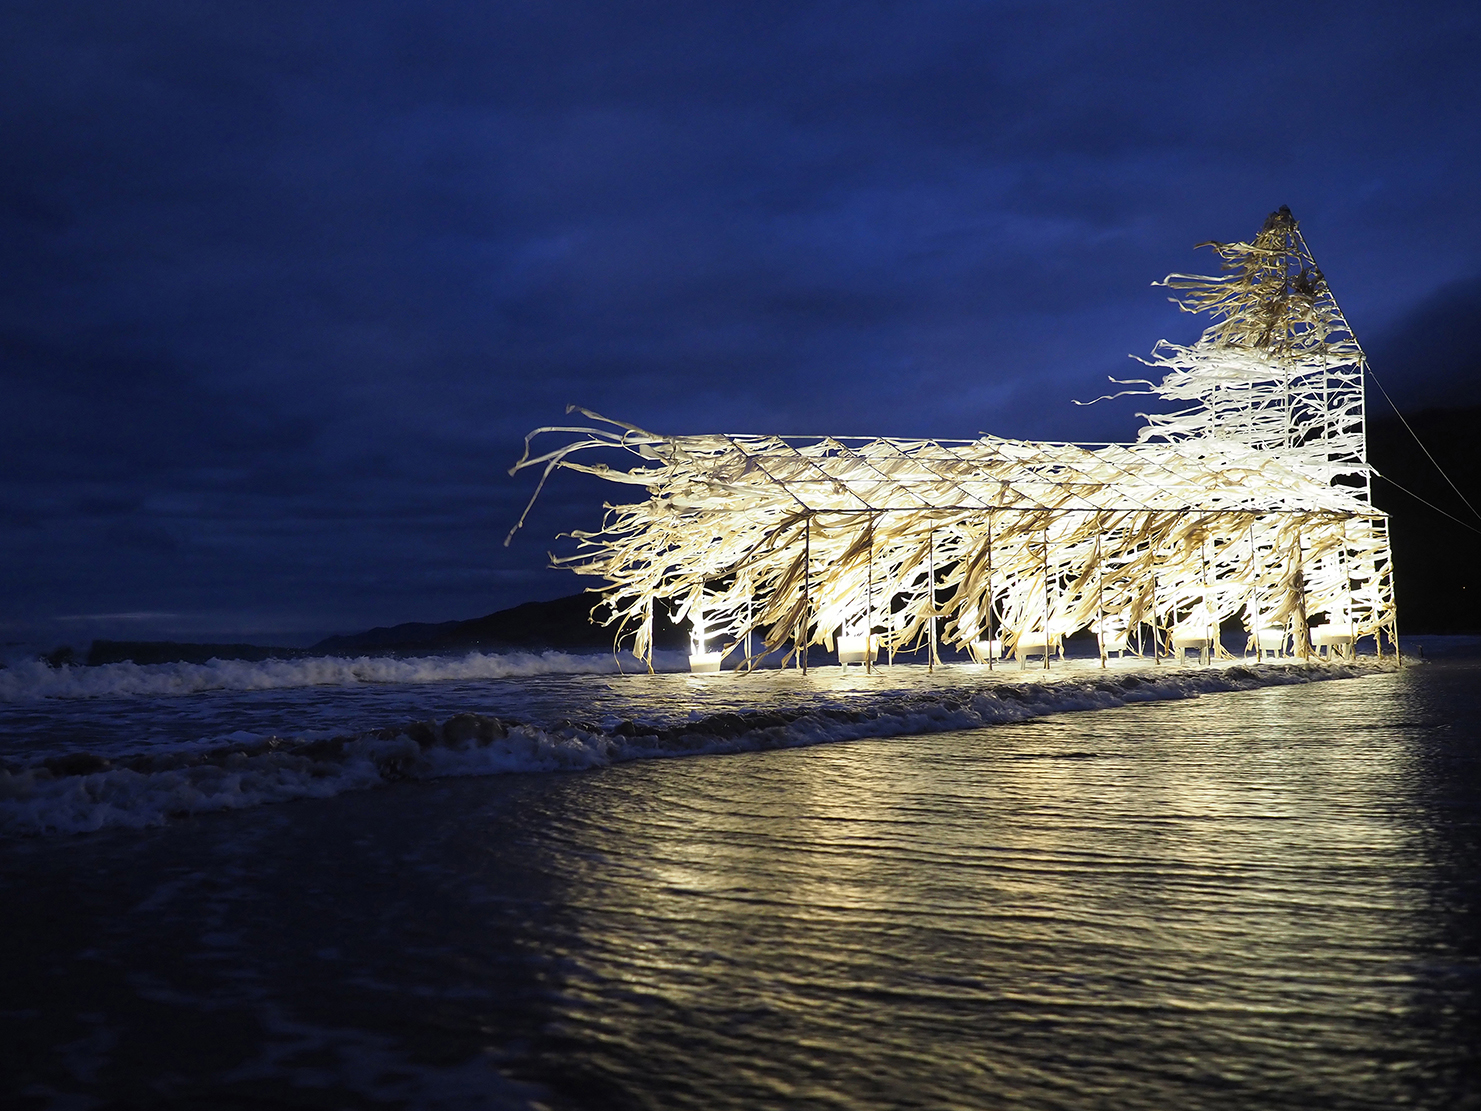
(563, 624)
(1435, 557)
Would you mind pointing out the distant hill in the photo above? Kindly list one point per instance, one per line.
(563, 624)
(1434, 557)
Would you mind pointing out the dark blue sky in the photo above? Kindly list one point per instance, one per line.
(282, 286)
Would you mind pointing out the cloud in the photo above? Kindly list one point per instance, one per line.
(281, 288)
(1432, 356)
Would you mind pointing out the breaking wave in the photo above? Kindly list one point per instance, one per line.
(82, 792)
(35, 679)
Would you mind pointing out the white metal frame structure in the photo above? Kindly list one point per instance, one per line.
(1250, 502)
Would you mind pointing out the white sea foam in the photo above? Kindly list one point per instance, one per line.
(33, 679)
(82, 793)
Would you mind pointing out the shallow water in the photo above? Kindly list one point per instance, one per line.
(85, 749)
(1265, 898)
(118, 709)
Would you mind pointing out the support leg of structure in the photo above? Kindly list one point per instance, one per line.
(931, 620)
(1046, 597)
(989, 592)
(806, 592)
(869, 604)
(1100, 597)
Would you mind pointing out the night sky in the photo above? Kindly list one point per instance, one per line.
(282, 286)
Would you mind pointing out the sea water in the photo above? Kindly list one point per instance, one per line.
(84, 748)
(1251, 886)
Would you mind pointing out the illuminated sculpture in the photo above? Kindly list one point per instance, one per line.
(1250, 502)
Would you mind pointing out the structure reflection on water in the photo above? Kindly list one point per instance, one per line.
(1248, 503)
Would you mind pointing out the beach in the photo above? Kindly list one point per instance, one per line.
(1253, 897)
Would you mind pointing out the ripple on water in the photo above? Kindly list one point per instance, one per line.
(1261, 898)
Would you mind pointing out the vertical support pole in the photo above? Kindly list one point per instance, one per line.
(1326, 406)
(750, 631)
(1254, 599)
(1156, 648)
(1208, 631)
(1156, 645)
(1046, 593)
(1303, 633)
(869, 602)
(806, 591)
(1346, 574)
(892, 621)
(1100, 593)
(931, 640)
(1287, 404)
(889, 621)
(989, 591)
(1377, 606)
(648, 620)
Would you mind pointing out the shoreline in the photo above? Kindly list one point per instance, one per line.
(82, 792)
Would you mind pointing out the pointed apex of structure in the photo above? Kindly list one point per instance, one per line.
(1280, 220)
(1278, 367)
